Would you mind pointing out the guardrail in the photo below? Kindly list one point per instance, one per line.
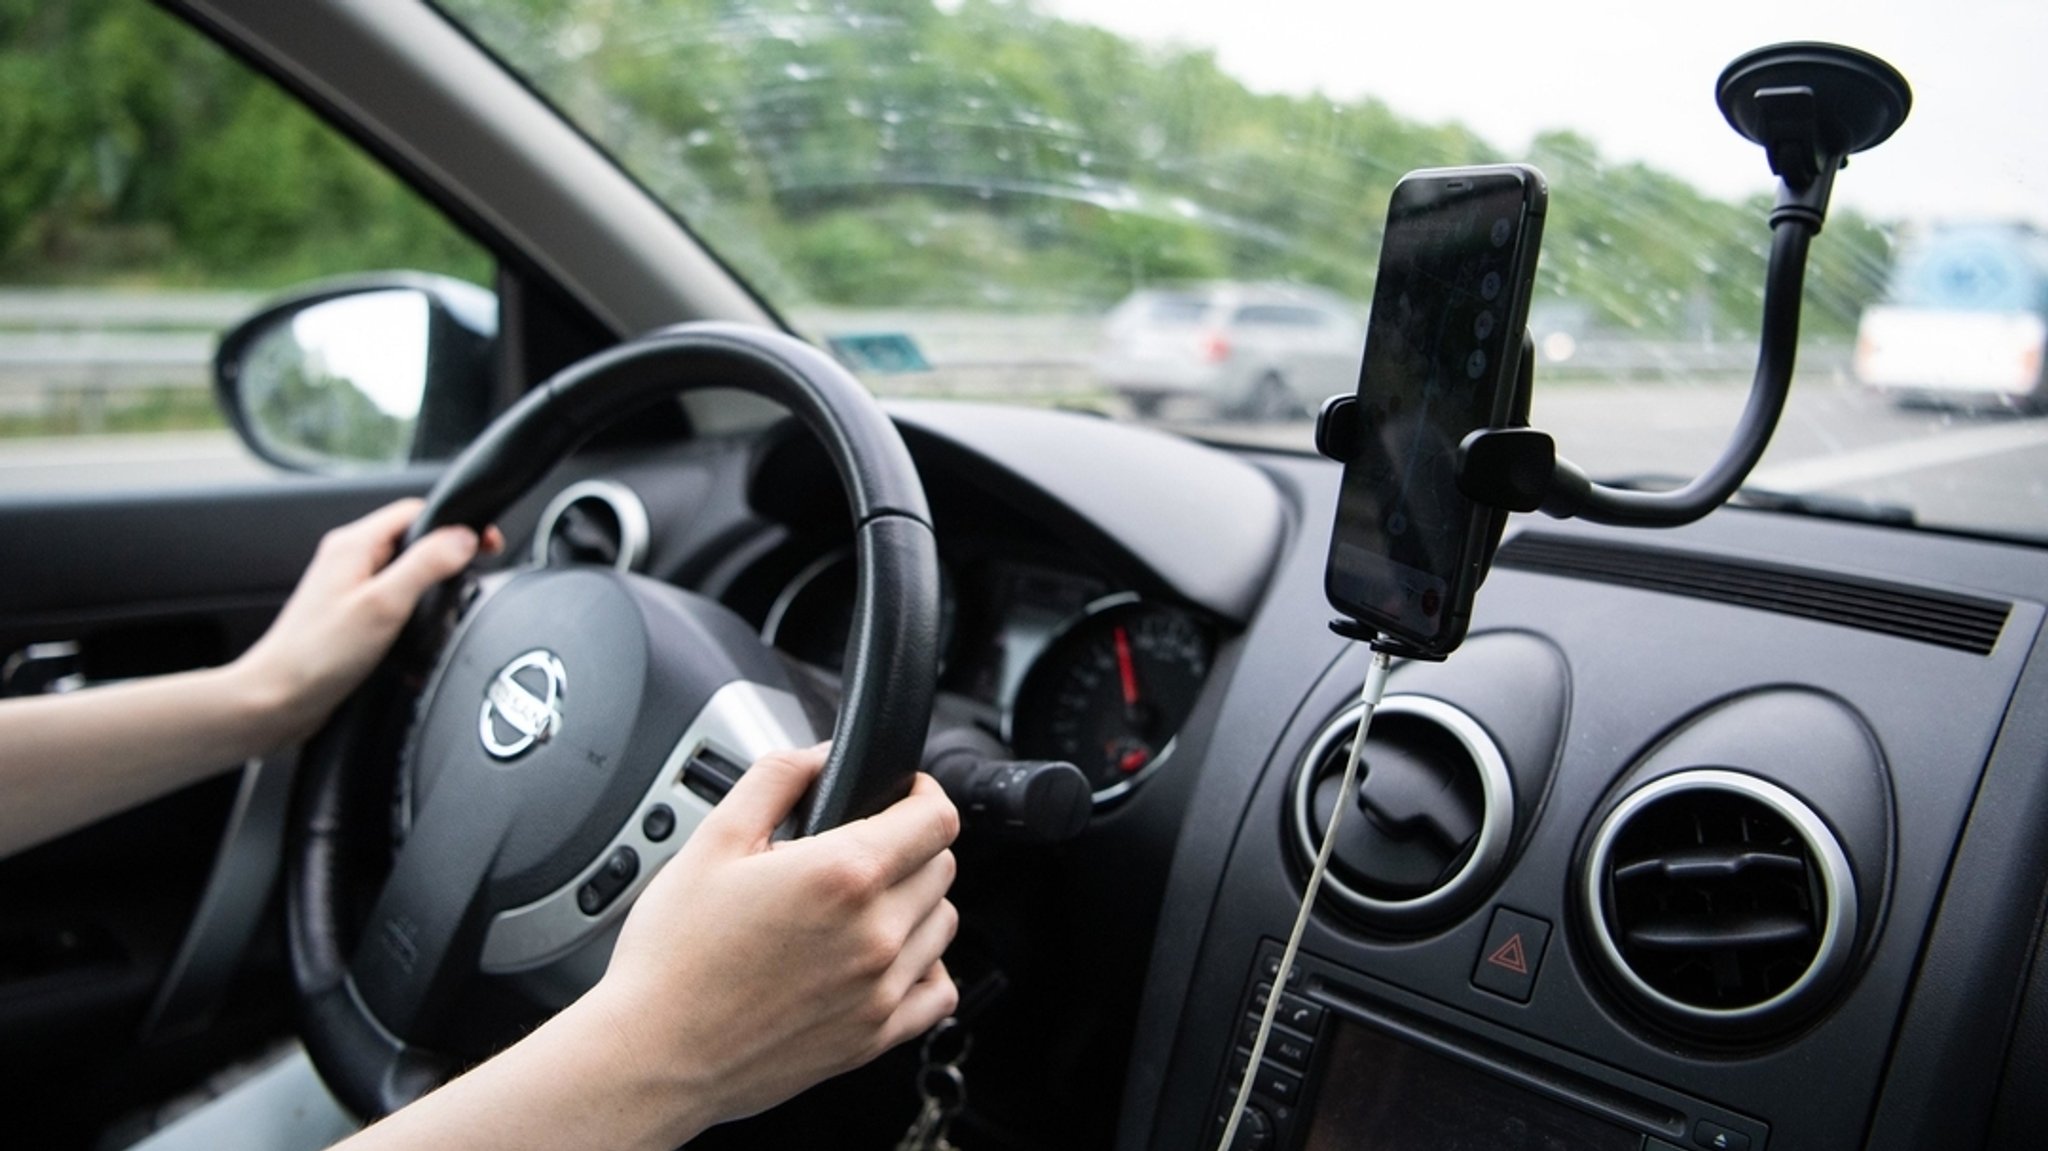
(92, 308)
(82, 352)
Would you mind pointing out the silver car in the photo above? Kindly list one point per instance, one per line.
(1252, 351)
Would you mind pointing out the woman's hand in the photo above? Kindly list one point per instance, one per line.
(747, 971)
(346, 611)
(750, 970)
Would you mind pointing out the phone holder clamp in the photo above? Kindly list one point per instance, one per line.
(1514, 469)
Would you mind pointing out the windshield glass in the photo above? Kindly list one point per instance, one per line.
(1172, 211)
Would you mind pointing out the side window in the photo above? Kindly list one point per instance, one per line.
(154, 193)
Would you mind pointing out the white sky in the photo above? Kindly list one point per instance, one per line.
(1637, 76)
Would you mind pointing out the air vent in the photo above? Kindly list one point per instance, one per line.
(1720, 902)
(1965, 623)
(1429, 823)
(593, 522)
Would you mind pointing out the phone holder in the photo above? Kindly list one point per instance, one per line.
(1811, 106)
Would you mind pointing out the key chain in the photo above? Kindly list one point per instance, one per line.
(941, 1087)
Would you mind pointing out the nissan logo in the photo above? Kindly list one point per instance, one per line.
(523, 705)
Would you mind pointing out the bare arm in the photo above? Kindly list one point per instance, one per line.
(746, 972)
(66, 760)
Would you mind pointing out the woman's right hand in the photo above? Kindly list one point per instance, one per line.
(749, 970)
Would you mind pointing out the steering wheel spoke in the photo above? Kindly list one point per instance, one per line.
(741, 722)
(422, 935)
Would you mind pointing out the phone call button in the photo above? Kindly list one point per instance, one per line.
(1489, 286)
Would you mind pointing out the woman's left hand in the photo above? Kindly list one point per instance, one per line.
(346, 612)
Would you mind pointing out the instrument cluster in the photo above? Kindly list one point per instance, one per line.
(1059, 664)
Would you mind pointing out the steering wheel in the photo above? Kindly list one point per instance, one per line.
(576, 727)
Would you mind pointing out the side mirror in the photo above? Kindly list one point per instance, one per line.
(369, 373)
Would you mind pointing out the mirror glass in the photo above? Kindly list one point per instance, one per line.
(339, 382)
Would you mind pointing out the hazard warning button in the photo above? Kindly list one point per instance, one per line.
(1511, 954)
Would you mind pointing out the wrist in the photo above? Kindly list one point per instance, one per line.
(260, 702)
(583, 1081)
(667, 1095)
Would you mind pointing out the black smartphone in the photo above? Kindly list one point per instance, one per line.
(1442, 351)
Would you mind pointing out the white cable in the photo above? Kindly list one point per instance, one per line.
(1369, 695)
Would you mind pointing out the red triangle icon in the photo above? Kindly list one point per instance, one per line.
(1509, 955)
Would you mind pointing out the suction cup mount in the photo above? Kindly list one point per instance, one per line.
(1811, 106)
(1806, 101)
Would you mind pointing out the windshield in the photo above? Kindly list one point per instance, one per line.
(1172, 211)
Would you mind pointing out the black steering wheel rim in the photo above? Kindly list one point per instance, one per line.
(888, 682)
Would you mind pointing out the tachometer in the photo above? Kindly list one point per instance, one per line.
(1111, 690)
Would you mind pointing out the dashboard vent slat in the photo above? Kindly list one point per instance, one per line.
(1708, 863)
(1961, 622)
(1728, 933)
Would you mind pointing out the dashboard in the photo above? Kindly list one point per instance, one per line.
(1718, 837)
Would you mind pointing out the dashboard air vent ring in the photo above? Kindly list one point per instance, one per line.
(1432, 818)
(593, 521)
(1719, 901)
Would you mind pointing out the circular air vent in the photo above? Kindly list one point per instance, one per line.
(593, 522)
(1720, 902)
(1429, 821)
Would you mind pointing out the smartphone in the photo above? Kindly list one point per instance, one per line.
(1442, 351)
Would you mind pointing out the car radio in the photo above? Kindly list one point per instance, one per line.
(1349, 1069)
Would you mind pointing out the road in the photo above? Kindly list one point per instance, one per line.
(132, 462)
(1986, 472)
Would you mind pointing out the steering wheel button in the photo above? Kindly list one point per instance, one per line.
(659, 823)
(615, 876)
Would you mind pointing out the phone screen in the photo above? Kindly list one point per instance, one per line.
(1441, 352)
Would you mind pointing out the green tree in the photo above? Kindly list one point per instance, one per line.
(858, 152)
(136, 150)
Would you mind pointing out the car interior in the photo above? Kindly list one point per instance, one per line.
(1725, 835)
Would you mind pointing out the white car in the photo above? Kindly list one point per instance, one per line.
(1256, 351)
(1966, 324)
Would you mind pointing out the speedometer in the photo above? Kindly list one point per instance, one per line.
(1111, 690)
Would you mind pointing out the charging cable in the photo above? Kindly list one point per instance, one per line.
(1369, 697)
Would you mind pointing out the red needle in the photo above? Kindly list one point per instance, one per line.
(1126, 668)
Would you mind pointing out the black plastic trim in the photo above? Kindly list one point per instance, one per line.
(1948, 619)
(1943, 1075)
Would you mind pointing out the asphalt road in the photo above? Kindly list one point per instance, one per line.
(131, 462)
(1980, 472)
